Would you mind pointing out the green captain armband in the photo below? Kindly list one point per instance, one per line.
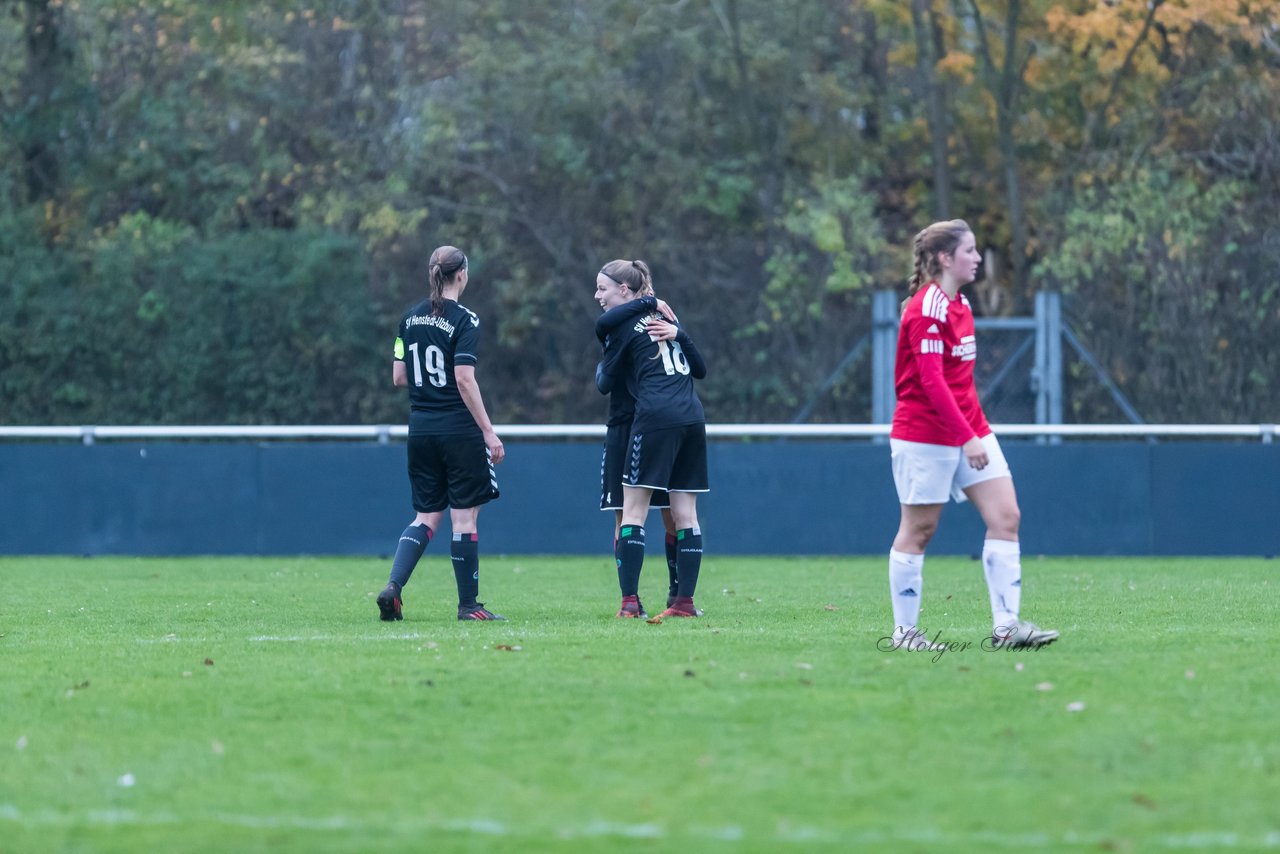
(399, 351)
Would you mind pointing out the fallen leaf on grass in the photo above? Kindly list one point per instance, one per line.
(654, 621)
(208, 662)
(1143, 801)
(506, 647)
(963, 669)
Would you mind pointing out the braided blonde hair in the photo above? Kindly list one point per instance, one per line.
(942, 237)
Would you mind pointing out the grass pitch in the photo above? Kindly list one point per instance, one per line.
(254, 704)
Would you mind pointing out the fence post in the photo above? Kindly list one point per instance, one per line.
(1053, 330)
(884, 344)
(1046, 376)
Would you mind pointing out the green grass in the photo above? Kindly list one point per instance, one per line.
(259, 705)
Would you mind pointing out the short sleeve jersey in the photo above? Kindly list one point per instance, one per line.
(657, 376)
(431, 347)
(933, 374)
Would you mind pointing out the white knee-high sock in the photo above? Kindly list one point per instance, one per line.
(906, 584)
(1002, 564)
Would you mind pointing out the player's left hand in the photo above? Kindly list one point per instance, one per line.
(497, 453)
(660, 330)
(976, 453)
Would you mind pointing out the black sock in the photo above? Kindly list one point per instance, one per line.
(413, 542)
(630, 557)
(688, 559)
(465, 551)
(673, 587)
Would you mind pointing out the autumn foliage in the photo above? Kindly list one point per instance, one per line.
(213, 212)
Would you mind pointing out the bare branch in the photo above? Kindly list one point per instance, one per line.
(517, 213)
(1099, 115)
(984, 50)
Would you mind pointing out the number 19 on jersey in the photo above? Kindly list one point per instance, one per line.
(433, 360)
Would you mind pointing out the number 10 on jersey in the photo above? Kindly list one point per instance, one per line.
(673, 358)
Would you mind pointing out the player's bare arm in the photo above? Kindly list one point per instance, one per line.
(469, 389)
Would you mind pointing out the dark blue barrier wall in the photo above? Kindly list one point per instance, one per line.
(768, 497)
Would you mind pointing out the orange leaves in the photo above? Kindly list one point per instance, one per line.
(960, 66)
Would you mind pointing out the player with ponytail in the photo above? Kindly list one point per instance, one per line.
(942, 446)
(452, 445)
(655, 363)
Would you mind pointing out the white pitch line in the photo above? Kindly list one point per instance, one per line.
(287, 639)
(1206, 840)
(326, 638)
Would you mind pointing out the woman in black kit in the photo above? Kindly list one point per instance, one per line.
(452, 444)
(657, 362)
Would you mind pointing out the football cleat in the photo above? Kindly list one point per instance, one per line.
(389, 604)
(1022, 635)
(915, 640)
(681, 606)
(632, 609)
(671, 600)
(477, 612)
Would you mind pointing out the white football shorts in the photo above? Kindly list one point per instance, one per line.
(930, 474)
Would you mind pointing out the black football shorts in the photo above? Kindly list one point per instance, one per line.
(450, 471)
(611, 458)
(673, 458)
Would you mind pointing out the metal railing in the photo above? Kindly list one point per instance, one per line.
(384, 433)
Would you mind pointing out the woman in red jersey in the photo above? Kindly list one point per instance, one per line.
(941, 444)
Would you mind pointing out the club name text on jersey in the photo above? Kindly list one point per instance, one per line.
(429, 320)
(643, 322)
(966, 350)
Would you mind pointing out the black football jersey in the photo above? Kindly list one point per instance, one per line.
(431, 346)
(622, 406)
(658, 374)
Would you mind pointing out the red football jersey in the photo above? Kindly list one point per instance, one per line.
(933, 375)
